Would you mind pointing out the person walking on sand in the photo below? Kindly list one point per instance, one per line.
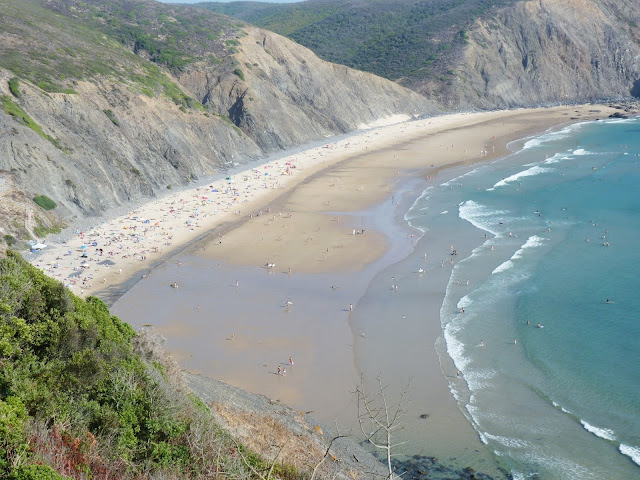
(279, 370)
(351, 307)
(291, 361)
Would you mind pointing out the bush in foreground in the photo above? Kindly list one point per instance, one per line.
(83, 396)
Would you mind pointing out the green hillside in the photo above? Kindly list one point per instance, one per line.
(83, 396)
(393, 39)
(57, 43)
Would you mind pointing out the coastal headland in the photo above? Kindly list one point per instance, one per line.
(295, 219)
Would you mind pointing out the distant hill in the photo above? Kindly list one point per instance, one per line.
(394, 39)
(471, 53)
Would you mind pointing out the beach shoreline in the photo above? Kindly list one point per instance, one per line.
(252, 331)
(187, 217)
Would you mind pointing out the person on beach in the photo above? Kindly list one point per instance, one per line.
(351, 307)
(481, 343)
(279, 370)
(291, 361)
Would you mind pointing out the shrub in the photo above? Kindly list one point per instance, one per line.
(14, 87)
(10, 239)
(35, 472)
(21, 116)
(239, 73)
(44, 202)
(111, 116)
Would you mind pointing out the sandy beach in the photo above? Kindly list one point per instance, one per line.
(282, 206)
(290, 231)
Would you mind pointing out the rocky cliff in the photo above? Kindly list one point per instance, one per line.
(545, 52)
(125, 130)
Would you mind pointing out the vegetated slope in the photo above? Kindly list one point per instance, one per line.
(471, 53)
(394, 39)
(105, 102)
(83, 396)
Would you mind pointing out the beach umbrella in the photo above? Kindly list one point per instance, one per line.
(83, 247)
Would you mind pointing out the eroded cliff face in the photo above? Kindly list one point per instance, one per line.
(283, 95)
(546, 52)
(280, 96)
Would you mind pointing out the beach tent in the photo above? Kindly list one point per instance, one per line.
(38, 246)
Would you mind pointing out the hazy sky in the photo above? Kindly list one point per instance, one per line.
(225, 1)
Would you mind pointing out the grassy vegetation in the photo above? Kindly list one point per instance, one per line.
(21, 116)
(394, 39)
(44, 202)
(83, 396)
(112, 116)
(60, 42)
(9, 239)
(14, 88)
(41, 230)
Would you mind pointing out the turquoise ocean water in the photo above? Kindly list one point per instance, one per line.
(558, 233)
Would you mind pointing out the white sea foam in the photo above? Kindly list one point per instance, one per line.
(534, 142)
(455, 348)
(421, 199)
(632, 452)
(480, 216)
(503, 267)
(507, 442)
(622, 120)
(444, 213)
(535, 170)
(562, 409)
(517, 475)
(480, 379)
(464, 302)
(547, 137)
(557, 158)
(455, 181)
(582, 151)
(599, 432)
(533, 241)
